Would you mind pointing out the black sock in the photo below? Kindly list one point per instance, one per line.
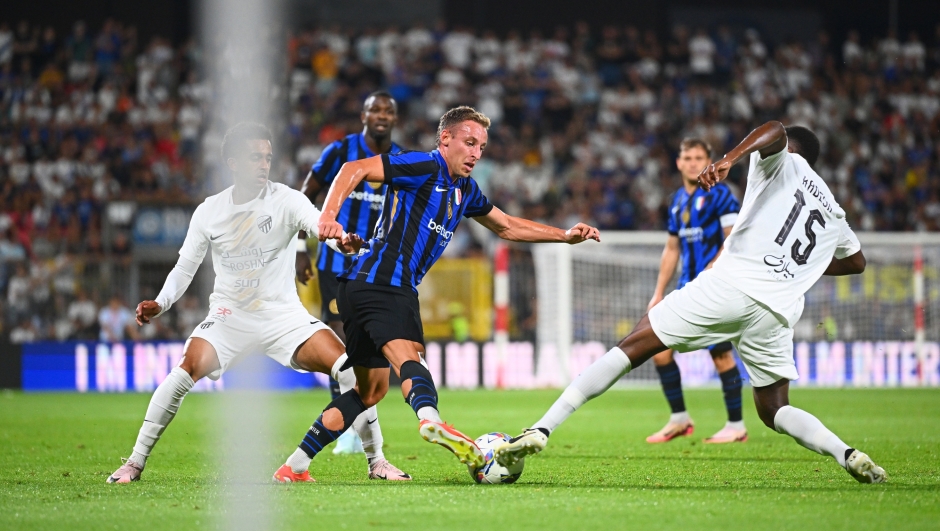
(731, 385)
(423, 393)
(349, 405)
(334, 389)
(671, 379)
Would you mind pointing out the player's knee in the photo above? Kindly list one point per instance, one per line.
(332, 419)
(372, 397)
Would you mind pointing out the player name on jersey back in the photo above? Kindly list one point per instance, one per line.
(789, 229)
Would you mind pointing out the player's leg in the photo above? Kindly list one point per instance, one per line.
(322, 351)
(671, 379)
(766, 348)
(199, 360)
(419, 391)
(682, 322)
(730, 375)
(337, 417)
(349, 442)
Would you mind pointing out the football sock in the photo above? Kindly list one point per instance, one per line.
(318, 436)
(164, 404)
(810, 433)
(335, 389)
(731, 387)
(596, 379)
(680, 418)
(671, 379)
(366, 425)
(423, 395)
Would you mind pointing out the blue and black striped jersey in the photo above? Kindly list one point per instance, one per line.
(423, 208)
(362, 208)
(698, 220)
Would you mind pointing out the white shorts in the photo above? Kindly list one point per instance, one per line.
(277, 333)
(708, 310)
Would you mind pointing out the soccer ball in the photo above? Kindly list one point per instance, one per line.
(491, 472)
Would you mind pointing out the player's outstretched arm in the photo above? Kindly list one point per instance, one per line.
(667, 268)
(523, 230)
(349, 176)
(850, 265)
(769, 139)
(173, 288)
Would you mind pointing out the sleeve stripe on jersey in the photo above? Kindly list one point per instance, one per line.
(403, 167)
(487, 208)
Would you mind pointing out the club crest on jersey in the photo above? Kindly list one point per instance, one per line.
(265, 223)
(699, 203)
(457, 196)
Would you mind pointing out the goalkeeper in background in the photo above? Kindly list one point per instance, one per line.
(698, 224)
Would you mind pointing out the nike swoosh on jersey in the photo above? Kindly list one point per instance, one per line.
(373, 421)
(214, 238)
(439, 189)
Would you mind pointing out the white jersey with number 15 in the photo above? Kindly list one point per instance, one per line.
(786, 235)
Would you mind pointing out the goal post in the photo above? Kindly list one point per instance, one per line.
(880, 327)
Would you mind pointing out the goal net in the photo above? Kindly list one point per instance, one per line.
(860, 330)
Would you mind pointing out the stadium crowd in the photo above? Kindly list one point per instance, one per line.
(586, 126)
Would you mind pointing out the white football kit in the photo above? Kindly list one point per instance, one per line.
(254, 304)
(789, 229)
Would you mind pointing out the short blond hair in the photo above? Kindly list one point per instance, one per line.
(459, 115)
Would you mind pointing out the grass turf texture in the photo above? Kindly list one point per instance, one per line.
(57, 449)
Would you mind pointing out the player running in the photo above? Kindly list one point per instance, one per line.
(699, 222)
(358, 215)
(789, 233)
(378, 298)
(249, 228)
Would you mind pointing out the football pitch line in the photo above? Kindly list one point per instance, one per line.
(57, 449)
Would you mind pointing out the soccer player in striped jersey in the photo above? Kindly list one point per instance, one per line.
(358, 215)
(378, 297)
(698, 224)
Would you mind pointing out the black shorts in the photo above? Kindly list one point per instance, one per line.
(374, 315)
(720, 347)
(329, 311)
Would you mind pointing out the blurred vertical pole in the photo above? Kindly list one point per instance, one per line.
(501, 304)
(919, 332)
(243, 45)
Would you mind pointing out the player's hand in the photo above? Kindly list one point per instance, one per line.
(657, 297)
(303, 268)
(350, 243)
(580, 233)
(329, 229)
(145, 311)
(713, 173)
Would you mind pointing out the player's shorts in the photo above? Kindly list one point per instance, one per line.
(329, 308)
(277, 333)
(708, 311)
(374, 315)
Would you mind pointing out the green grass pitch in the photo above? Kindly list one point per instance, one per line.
(597, 473)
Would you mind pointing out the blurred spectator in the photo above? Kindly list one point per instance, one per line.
(586, 122)
(83, 315)
(117, 322)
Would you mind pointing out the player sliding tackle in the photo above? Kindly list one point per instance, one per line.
(250, 228)
(789, 233)
(378, 298)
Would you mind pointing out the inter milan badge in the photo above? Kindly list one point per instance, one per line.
(686, 215)
(264, 223)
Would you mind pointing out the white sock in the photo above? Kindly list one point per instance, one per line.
(810, 433)
(429, 413)
(298, 461)
(164, 404)
(736, 425)
(591, 383)
(366, 424)
(680, 418)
